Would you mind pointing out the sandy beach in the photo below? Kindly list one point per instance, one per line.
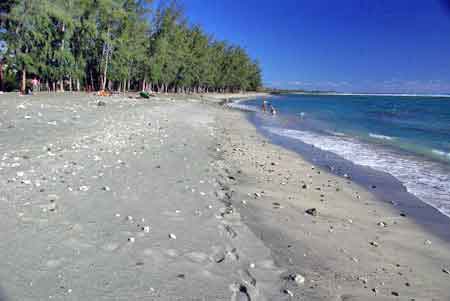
(180, 198)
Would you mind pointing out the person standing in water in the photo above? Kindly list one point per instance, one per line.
(272, 110)
(264, 106)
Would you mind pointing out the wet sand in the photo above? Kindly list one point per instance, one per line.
(178, 198)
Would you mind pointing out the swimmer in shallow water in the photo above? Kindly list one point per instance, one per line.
(272, 110)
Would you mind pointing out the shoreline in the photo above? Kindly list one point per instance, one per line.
(388, 188)
(179, 197)
(371, 236)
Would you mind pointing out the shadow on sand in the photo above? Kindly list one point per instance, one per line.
(2, 295)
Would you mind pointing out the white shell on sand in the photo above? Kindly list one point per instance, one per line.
(299, 279)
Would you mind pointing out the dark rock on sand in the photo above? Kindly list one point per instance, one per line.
(311, 211)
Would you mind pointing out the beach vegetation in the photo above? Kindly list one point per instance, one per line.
(118, 45)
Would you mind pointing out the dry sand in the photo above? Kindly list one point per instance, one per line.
(175, 199)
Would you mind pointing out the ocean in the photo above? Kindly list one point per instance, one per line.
(406, 138)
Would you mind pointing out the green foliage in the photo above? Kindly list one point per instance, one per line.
(119, 44)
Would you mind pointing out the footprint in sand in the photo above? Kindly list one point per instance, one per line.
(232, 254)
(268, 264)
(54, 263)
(247, 277)
(230, 231)
(172, 253)
(110, 247)
(198, 257)
(77, 245)
(240, 292)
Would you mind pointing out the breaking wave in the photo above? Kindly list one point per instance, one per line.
(426, 179)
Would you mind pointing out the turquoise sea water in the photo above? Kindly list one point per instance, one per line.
(407, 137)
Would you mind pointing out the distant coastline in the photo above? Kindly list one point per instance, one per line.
(333, 93)
(371, 94)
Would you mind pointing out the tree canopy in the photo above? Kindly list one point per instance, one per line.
(120, 45)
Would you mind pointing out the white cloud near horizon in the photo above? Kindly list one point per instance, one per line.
(393, 85)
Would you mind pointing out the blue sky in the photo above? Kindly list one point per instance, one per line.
(347, 45)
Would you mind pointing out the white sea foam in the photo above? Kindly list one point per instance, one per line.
(382, 137)
(338, 134)
(425, 179)
(441, 153)
(243, 107)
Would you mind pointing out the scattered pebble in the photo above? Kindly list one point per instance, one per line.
(382, 224)
(311, 211)
(288, 292)
(172, 236)
(276, 205)
(374, 244)
(299, 279)
(84, 188)
(131, 239)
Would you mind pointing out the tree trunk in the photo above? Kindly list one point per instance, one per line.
(92, 81)
(1, 76)
(24, 81)
(70, 84)
(105, 70)
(104, 73)
(78, 85)
(62, 50)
